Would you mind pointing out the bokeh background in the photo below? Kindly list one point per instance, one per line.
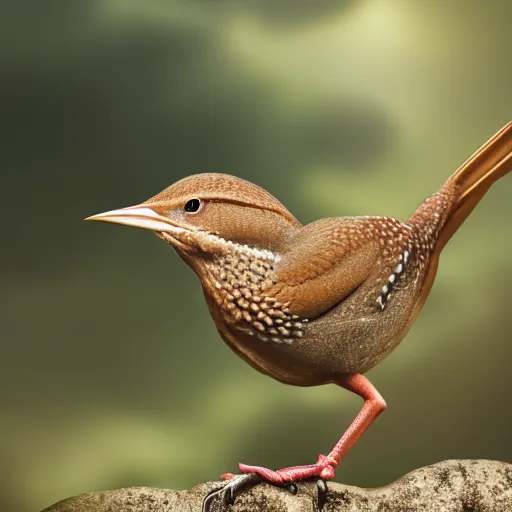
(112, 373)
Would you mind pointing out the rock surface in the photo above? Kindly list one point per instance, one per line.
(449, 486)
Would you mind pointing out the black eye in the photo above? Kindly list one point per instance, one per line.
(192, 205)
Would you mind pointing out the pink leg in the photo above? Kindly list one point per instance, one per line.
(374, 404)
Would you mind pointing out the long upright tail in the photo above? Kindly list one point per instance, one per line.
(474, 177)
(439, 216)
(464, 189)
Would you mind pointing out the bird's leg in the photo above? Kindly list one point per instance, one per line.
(374, 404)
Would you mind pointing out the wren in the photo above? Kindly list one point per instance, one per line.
(315, 304)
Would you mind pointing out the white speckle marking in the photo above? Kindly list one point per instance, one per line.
(252, 251)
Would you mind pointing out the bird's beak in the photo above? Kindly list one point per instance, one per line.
(139, 217)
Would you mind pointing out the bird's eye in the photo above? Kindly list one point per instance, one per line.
(192, 205)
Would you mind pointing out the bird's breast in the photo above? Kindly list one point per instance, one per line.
(236, 285)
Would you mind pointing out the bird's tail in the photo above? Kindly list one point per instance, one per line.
(474, 177)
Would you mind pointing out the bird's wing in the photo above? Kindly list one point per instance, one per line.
(331, 257)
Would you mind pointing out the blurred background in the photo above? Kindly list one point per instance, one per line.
(112, 373)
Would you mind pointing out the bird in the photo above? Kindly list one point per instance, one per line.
(313, 304)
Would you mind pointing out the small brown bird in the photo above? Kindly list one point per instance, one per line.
(315, 304)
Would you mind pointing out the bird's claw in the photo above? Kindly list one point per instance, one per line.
(230, 490)
(323, 491)
(291, 487)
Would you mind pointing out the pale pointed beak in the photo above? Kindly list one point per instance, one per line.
(139, 217)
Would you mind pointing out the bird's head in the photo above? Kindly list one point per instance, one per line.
(206, 214)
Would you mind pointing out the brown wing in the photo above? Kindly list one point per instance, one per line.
(330, 258)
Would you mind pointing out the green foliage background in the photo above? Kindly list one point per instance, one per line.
(112, 373)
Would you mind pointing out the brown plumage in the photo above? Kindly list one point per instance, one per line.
(315, 304)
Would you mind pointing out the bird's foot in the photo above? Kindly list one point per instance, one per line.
(251, 476)
(325, 468)
(237, 484)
